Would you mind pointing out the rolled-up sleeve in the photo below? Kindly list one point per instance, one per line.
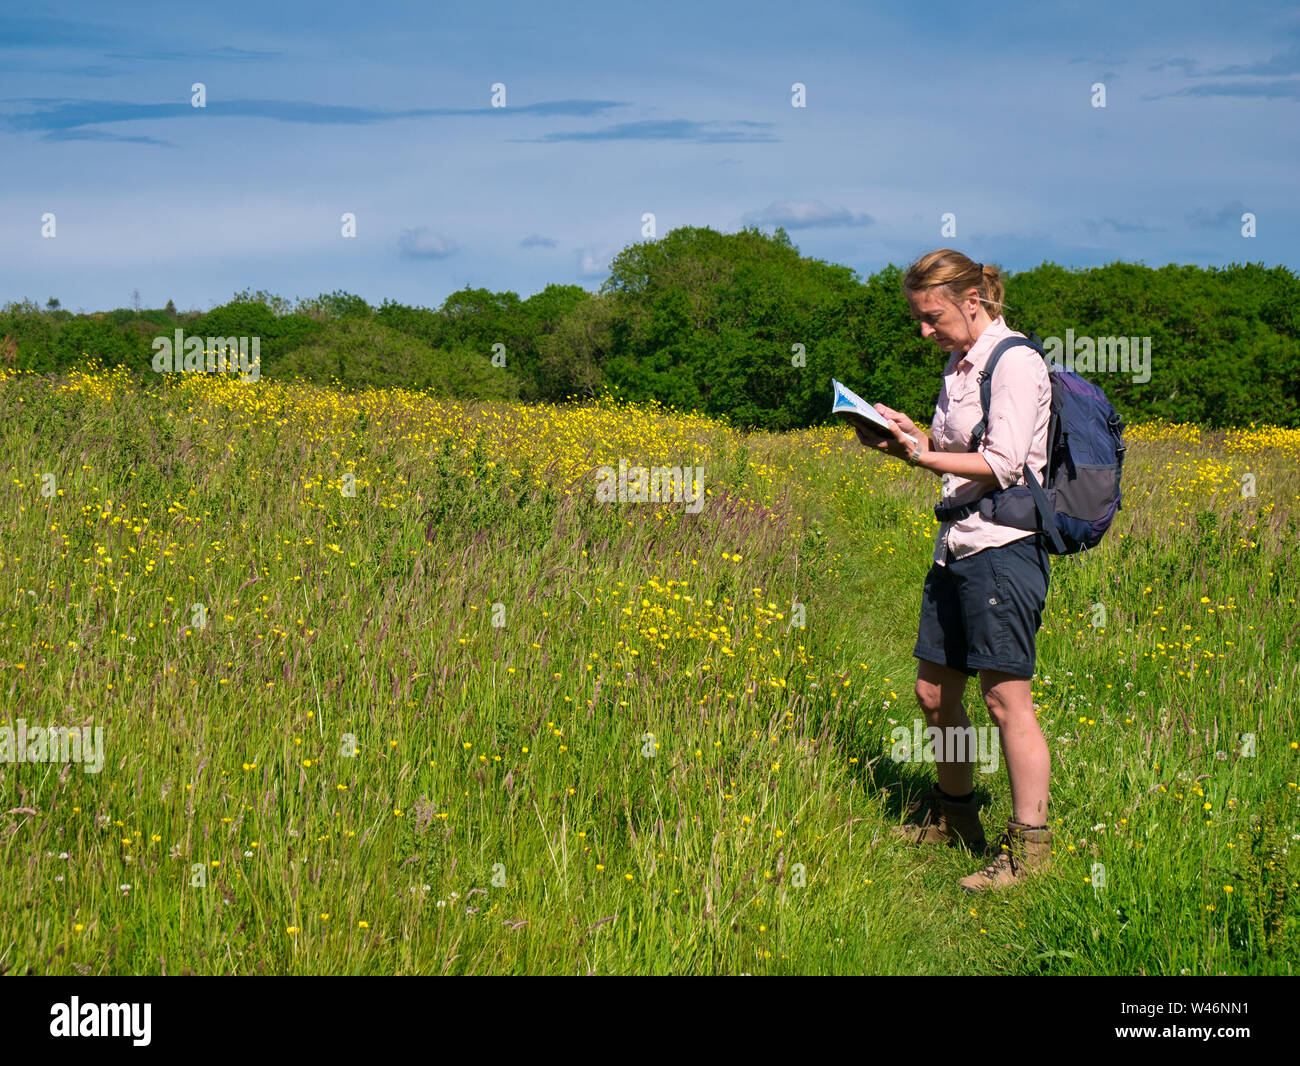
(1019, 382)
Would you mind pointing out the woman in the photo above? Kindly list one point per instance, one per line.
(983, 598)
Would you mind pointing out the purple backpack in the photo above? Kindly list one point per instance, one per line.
(1085, 457)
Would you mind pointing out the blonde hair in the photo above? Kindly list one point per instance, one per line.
(956, 274)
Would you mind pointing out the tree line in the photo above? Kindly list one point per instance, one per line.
(740, 326)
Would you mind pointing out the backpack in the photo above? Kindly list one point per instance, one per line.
(1085, 458)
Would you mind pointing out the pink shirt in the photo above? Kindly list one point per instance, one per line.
(1019, 409)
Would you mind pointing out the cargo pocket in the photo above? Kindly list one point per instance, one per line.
(1001, 574)
(1021, 586)
(996, 607)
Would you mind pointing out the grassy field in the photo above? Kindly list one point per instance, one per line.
(385, 689)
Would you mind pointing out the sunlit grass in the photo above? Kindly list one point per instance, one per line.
(384, 689)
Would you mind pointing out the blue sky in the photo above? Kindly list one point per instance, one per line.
(384, 110)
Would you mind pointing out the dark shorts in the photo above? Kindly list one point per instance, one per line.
(982, 612)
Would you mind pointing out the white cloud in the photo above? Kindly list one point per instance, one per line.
(594, 262)
(804, 214)
(423, 243)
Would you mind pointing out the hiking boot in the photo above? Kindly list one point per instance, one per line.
(1020, 852)
(944, 821)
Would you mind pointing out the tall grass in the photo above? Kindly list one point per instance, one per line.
(385, 689)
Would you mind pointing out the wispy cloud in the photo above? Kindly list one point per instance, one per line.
(805, 214)
(423, 243)
(55, 115)
(673, 129)
(1287, 62)
(1022, 250)
(1280, 64)
(1187, 66)
(547, 107)
(56, 33)
(41, 34)
(61, 114)
(1208, 218)
(187, 55)
(1100, 61)
(1267, 90)
(81, 70)
(536, 241)
(1115, 225)
(104, 135)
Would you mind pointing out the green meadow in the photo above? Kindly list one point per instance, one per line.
(385, 688)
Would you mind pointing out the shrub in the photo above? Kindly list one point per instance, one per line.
(357, 353)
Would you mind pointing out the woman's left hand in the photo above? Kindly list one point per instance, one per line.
(901, 427)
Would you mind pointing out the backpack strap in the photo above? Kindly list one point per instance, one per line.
(1041, 502)
(986, 382)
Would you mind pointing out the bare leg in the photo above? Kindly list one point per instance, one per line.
(1011, 707)
(939, 691)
